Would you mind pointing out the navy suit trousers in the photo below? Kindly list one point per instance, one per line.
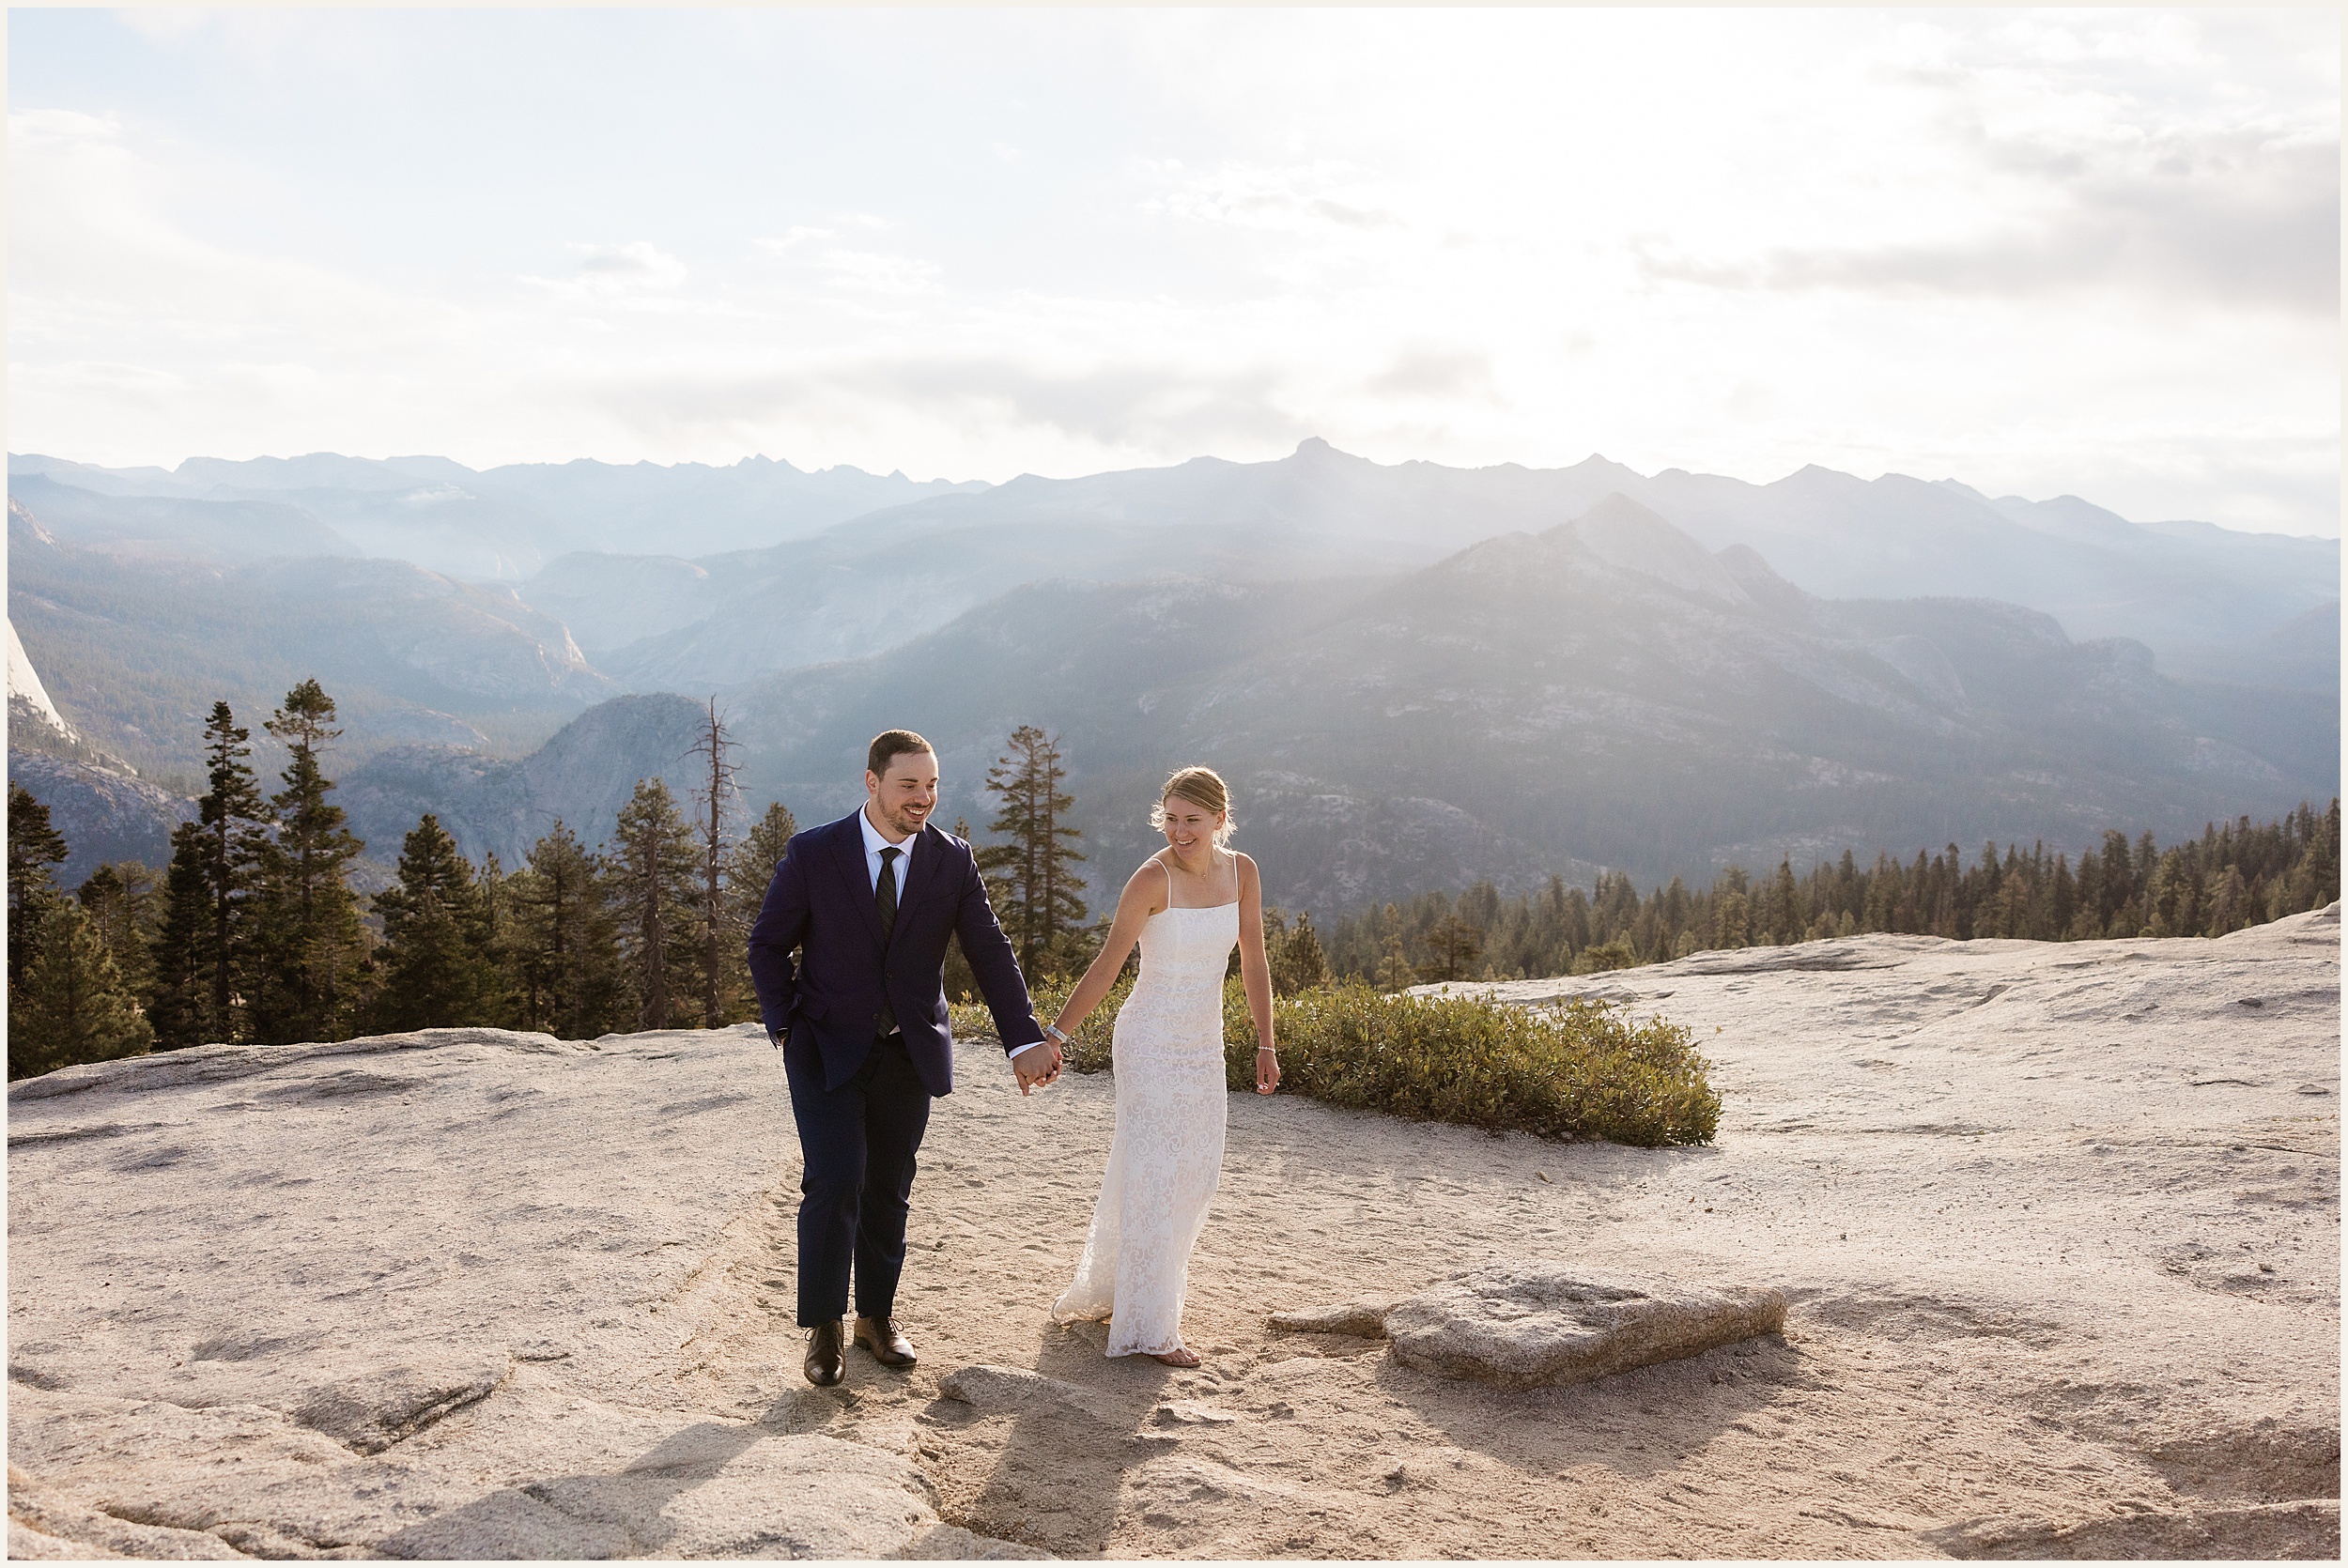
(858, 1143)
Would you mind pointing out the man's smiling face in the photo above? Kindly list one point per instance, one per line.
(900, 800)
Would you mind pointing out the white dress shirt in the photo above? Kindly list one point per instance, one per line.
(874, 845)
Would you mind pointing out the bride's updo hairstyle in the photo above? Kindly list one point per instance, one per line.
(1203, 788)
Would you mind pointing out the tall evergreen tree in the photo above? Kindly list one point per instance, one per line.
(180, 1004)
(120, 899)
(35, 848)
(749, 868)
(654, 876)
(1294, 952)
(1030, 876)
(438, 969)
(1455, 943)
(72, 1005)
(310, 948)
(232, 838)
(566, 957)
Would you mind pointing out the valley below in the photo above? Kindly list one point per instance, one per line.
(2059, 1225)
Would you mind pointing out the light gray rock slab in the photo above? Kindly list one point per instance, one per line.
(1361, 1319)
(1524, 1325)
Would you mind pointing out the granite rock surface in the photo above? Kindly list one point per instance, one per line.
(1524, 1325)
(2057, 1227)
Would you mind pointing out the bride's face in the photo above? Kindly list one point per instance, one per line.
(1190, 827)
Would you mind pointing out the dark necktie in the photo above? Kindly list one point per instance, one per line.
(884, 895)
(885, 899)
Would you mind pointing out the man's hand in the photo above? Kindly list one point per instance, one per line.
(1036, 1067)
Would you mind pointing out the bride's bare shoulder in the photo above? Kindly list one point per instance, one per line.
(1157, 888)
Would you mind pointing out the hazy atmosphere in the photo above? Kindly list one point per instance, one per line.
(1624, 840)
(2047, 252)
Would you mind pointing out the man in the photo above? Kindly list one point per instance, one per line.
(869, 900)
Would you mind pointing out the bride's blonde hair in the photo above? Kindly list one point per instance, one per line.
(1203, 788)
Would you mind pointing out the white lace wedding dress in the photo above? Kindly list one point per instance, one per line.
(1168, 1154)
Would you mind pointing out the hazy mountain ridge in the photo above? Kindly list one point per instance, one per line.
(2208, 600)
(490, 805)
(839, 563)
(135, 648)
(1355, 641)
(1532, 705)
(501, 523)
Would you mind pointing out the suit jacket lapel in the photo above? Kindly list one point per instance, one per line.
(929, 850)
(859, 881)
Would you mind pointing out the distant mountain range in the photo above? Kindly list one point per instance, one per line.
(2208, 601)
(1416, 673)
(503, 524)
(135, 647)
(1604, 691)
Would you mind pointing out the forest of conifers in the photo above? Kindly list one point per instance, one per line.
(2234, 875)
(253, 934)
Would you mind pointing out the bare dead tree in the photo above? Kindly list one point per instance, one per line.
(713, 802)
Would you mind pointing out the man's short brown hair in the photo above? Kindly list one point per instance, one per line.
(889, 746)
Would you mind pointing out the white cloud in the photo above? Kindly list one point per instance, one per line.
(638, 264)
(2089, 252)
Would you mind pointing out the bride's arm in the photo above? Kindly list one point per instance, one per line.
(1255, 973)
(1144, 895)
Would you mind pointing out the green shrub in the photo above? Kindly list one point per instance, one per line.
(1574, 1068)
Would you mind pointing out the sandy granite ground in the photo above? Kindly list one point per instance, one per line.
(2060, 1225)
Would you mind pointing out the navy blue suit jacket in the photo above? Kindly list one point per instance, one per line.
(821, 902)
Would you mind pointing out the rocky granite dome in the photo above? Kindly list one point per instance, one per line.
(2057, 1229)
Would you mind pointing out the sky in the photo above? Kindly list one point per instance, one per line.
(2093, 252)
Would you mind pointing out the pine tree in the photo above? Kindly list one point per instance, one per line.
(1297, 959)
(438, 968)
(72, 1005)
(499, 931)
(120, 899)
(180, 1004)
(1036, 894)
(310, 948)
(1394, 966)
(1455, 943)
(34, 847)
(749, 868)
(654, 876)
(231, 838)
(565, 955)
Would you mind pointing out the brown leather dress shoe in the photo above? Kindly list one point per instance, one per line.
(827, 1356)
(888, 1346)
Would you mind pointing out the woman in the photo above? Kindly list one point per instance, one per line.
(1186, 906)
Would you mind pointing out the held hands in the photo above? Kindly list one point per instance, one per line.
(1267, 1069)
(1036, 1068)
